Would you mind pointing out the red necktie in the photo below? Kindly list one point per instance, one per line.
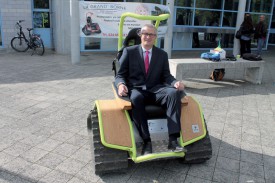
(147, 61)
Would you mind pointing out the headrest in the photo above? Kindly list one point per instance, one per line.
(132, 38)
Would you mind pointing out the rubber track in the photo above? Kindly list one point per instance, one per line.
(199, 151)
(106, 159)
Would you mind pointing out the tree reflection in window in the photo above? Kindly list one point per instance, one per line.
(184, 3)
(41, 20)
(210, 4)
(261, 6)
(184, 16)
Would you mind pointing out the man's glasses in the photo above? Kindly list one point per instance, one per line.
(148, 34)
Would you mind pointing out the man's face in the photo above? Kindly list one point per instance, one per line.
(262, 18)
(148, 37)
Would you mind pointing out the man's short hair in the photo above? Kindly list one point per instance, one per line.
(149, 26)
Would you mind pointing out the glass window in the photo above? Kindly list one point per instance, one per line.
(1, 43)
(211, 40)
(185, 3)
(0, 34)
(261, 6)
(184, 16)
(106, 0)
(231, 5)
(227, 40)
(273, 19)
(210, 4)
(145, 1)
(41, 19)
(92, 43)
(229, 19)
(41, 4)
(205, 40)
(271, 39)
(208, 18)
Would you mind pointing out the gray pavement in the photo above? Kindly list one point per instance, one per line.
(44, 103)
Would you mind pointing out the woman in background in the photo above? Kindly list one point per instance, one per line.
(247, 29)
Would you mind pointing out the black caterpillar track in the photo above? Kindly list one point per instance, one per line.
(106, 159)
(198, 152)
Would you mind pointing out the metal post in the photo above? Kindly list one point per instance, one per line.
(240, 17)
(75, 34)
(169, 35)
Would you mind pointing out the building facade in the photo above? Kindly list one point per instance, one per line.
(196, 24)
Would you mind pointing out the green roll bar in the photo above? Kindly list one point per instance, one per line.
(139, 17)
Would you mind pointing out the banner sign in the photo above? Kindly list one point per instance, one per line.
(101, 19)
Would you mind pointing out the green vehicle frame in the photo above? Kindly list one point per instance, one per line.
(113, 157)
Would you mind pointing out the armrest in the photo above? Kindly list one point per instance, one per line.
(184, 100)
(123, 102)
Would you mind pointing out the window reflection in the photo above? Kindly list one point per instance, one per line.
(208, 18)
(106, 0)
(145, 1)
(271, 39)
(204, 41)
(41, 4)
(210, 4)
(185, 3)
(229, 19)
(92, 43)
(184, 16)
(231, 5)
(41, 20)
(0, 35)
(261, 6)
(273, 19)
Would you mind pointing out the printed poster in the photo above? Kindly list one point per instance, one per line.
(101, 19)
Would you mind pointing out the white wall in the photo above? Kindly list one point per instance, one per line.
(12, 11)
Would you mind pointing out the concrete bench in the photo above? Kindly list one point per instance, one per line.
(253, 69)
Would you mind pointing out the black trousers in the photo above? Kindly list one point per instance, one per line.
(245, 46)
(168, 98)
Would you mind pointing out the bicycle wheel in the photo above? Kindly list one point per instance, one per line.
(38, 46)
(19, 44)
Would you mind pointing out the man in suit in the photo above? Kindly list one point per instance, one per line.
(150, 83)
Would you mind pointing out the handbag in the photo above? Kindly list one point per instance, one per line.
(238, 34)
(217, 74)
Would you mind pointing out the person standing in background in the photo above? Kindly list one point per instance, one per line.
(260, 35)
(247, 29)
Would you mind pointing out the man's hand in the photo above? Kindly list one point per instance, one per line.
(179, 85)
(122, 90)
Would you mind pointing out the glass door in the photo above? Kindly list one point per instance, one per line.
(1, 43)
(42, 21)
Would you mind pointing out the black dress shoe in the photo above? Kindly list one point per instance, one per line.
(175, 147)
(146, 148)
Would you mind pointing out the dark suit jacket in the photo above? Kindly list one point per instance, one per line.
(132, 70)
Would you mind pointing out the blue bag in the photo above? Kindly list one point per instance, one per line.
(211, 56)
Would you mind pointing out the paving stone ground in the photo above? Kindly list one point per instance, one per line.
(44, 103)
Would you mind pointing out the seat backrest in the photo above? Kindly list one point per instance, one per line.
(133, 38)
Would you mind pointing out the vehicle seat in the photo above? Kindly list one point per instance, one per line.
(153, 111)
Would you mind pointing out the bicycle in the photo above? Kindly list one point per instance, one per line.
(21, 43)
